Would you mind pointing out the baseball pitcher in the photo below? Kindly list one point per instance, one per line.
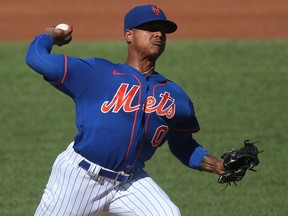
(124, 112)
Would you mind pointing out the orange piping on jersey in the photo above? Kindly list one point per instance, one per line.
(65, 72)
(146, 124)
(134, 125)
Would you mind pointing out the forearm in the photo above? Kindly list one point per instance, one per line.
(211, 164)
(193, 155)
(39, 58)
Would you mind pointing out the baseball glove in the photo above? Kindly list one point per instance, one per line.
(237, 162)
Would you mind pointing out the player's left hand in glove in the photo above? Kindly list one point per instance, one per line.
(237, 162)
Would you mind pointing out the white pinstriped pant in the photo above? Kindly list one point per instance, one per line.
(71, 191)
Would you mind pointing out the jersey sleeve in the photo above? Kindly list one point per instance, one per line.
(186, 120)
(69, 75)
(76, 76)
(180, 140)
(186, 149)
(40, 60)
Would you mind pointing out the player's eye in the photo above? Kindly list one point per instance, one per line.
(152, 28)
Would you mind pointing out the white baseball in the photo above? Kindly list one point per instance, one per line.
(62, 26)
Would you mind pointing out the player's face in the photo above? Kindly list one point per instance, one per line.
(149, 39)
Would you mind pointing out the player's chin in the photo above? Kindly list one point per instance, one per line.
(157, 50)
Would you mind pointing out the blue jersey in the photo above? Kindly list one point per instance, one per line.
(122, 116)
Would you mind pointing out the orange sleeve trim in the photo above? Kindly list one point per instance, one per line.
(65, 72)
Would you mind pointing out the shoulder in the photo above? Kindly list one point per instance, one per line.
(91, 64)
(177, 89)
(96, 61)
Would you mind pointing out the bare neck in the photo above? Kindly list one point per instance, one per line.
(146, 67)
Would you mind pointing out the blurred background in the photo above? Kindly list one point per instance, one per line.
(230, 56)
(103, 19)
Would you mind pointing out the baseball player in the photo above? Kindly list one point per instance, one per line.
(124, 112)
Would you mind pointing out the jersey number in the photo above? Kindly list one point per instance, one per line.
(159, 135)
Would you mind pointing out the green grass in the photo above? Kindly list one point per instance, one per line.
(239, 92)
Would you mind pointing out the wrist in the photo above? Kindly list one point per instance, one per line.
(212, 164)
(197, 157)
(220, 167)
(50, 32)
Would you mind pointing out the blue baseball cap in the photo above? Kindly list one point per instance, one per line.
(147, 13)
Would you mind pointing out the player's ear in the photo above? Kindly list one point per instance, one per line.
(128, 36)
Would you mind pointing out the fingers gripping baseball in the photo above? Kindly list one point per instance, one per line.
(62, 34)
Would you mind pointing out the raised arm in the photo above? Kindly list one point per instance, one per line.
(39, 57)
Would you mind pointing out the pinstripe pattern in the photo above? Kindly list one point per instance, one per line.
(71, 191)
(142, 196)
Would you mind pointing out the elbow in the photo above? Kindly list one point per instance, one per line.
(28, 59)
(32, 62)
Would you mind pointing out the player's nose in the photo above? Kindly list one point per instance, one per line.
(161, 35)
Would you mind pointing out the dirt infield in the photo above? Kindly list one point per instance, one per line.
(103, 19)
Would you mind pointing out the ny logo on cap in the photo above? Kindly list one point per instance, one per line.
(156, 10)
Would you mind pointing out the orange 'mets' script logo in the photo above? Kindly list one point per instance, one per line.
(118, 73)
(123, 99)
